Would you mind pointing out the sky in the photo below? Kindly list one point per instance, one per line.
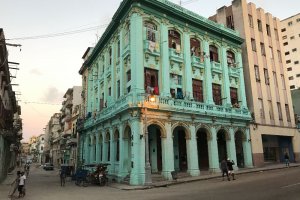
(50, 65)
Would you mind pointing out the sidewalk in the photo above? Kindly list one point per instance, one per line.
(201, 177)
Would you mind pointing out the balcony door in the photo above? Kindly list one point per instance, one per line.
(151, 81)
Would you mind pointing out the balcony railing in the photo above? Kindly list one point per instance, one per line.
(166, 103)
(216, 66)
(175, 55)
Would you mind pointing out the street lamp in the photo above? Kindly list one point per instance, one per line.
(148, 179)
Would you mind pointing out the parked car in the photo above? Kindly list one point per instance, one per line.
(48, 166)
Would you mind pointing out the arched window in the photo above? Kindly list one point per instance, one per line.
(126, 36)
(174, 40)
(213, 53)
(230, 58)
(195, 47)
(151, 30)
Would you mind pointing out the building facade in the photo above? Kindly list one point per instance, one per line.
(273, 127)
(10, 111)
(290, 30)
(40, 146)
(164, 91)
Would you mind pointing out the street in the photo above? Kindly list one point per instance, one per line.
(276, 184)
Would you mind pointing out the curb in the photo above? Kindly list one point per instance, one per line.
(169, 183)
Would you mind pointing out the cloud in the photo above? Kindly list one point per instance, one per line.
(53, 95)
(36, 72)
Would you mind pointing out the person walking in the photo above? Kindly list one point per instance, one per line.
(21, 187)
(62, 175)
(230, 168)
(287, 159)
(15, 184)
(224, 169)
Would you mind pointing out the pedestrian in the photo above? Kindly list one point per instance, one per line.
(62, 175)
(15, 184)
(21, 187)
(224, 169)
(287, 159)
(230, 168)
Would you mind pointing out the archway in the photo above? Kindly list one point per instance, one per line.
(155, 149)
(127, 148)
(239, 139)
(221, 139)
(202, 146)
(117, 145)
(180, 152)
(107, 141)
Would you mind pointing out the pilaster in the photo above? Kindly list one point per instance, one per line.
(242, 96)
(187, 65)
(230, 144)
(121, 64)
(247, 150)
(226, 81)
(208, 76)
(165, 60)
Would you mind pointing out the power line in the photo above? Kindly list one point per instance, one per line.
(60, 33)
(45, 103)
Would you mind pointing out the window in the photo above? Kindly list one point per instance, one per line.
(195, 47)
(298, 75)
(118, 49)
(128, 76)
(288, 61)
(174, 40)
(284, 37)
(271, 52)
(126, 36)
(268, 29)
(128, 89)
(217, 95)
(213, 53)
(293, 37)
(283, 30)
(267, 79)
(279, 56)
(296, 62)
(234, 97)
(262, 49)
(295, 49)
(291, 78)
(230, 58)
(230, 22)
(283, 81)
(256, 70)
(286, 43)
(271, 113)
(290, 23)
(287, 53)
(261, 108)
(259, 25)
(289, 69)
(292, 87)
(279, 111)
(250, 21)
(151, 81)
(176, 79)
(253, 45)
(197, 90)
(102, 102)
(276, 34)
(298, 20)
(275, 79)
(110, 56)
(150, 31)
(118, 89)
(109, 91)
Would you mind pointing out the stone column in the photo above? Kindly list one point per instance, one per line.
(213, 151)
(226, 81)
(187, 65)
(91, 147)
(208, 75)
(192, 153)
(97, 148)
(247, 150)
(242, 96)
(136, 53)
(137, 175)
(113, 81)
(230, 145)
(167, 153)
(165, 60)
(122, 83)
(112, 151)
(123, 154)
(87, 149)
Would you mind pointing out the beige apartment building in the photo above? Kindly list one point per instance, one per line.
(272, 130)
(290, 30)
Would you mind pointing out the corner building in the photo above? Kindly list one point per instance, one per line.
(272, 130)
(166, 84)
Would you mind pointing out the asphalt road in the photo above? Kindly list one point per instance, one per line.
(271, 185)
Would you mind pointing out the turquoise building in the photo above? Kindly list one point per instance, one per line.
(164, 90)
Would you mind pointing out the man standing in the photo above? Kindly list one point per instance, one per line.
(21, 187)
(287, 159)
(230, 168)
(224, 169)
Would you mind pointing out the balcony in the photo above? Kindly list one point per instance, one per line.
(216, 67)
(196, 61)
(234, 71)
(126, 51)
(167, 104)
(69, 103)
(175, 55)
(151, 47)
